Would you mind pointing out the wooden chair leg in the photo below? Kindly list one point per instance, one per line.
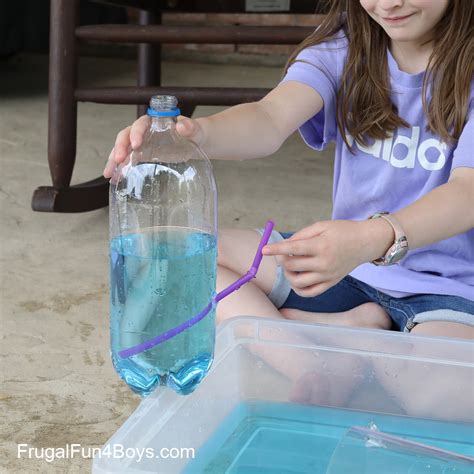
(149, 63)
(62, 121)
(149, 58)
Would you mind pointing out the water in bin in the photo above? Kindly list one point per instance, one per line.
(163, 259)
(370, 451)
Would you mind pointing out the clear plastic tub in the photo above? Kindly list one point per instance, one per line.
(282, 396)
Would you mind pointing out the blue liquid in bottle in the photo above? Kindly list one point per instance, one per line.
(160, 278)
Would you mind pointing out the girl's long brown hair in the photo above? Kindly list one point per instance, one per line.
(364, 106)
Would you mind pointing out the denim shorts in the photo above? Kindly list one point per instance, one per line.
(349, 293)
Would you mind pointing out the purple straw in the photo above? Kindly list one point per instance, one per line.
(144, 346)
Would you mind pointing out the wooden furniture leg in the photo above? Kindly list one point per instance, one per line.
(62, 121)
(149, 58)
(149, 63)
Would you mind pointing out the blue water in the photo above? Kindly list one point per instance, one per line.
(283, 438)
(160, 279)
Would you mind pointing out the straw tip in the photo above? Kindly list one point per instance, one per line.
(269, 227)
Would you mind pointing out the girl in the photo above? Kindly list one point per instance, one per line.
(391, 82)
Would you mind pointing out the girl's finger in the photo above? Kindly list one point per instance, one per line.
(301, 280)
(121, 145)
(299, 264)
(287, 247)
(314, 290)
(109, 166)
(310, 231)
(186, 127)
(111, 154)
(138, 129)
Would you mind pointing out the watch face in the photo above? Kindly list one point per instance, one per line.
(397, 252)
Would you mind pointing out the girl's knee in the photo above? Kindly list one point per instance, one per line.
(287, 313)
(369, 315)
(236, 251)
(225, 312)
(224, 247)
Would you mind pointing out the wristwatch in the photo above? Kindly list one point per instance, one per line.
(399, 248)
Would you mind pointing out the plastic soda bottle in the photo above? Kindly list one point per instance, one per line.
(163, 256)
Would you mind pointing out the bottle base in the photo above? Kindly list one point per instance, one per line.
(183, 382)
(190, 375)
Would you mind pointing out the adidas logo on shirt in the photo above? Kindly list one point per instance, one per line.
(413, 151)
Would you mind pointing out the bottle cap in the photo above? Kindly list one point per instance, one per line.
(163, 106)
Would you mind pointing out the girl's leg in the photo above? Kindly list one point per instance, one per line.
(235, 254)
(250, 300)
(440, 391)
(306, 371)
(367, 315)
(444, 329)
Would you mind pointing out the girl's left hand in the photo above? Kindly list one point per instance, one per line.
(319, 256)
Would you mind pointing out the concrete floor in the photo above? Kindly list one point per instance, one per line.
(59, 386)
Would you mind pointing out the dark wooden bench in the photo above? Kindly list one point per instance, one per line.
(149, 34)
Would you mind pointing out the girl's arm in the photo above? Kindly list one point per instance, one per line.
(318, 256)
(241, 132)
(444, 212)
(259, 129)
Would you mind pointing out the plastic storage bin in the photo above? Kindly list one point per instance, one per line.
(285, 397)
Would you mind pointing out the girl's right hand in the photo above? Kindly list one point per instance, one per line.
(132, 137)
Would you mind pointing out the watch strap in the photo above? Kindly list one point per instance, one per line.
(393, 221)
(400, 243)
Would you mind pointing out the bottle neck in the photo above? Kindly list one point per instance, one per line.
(161, 124)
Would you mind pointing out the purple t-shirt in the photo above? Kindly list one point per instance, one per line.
(391, 174)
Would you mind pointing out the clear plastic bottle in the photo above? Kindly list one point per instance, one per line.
(163, 256)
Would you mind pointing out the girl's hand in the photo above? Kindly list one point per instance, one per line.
(319, 256)
(131, 138)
